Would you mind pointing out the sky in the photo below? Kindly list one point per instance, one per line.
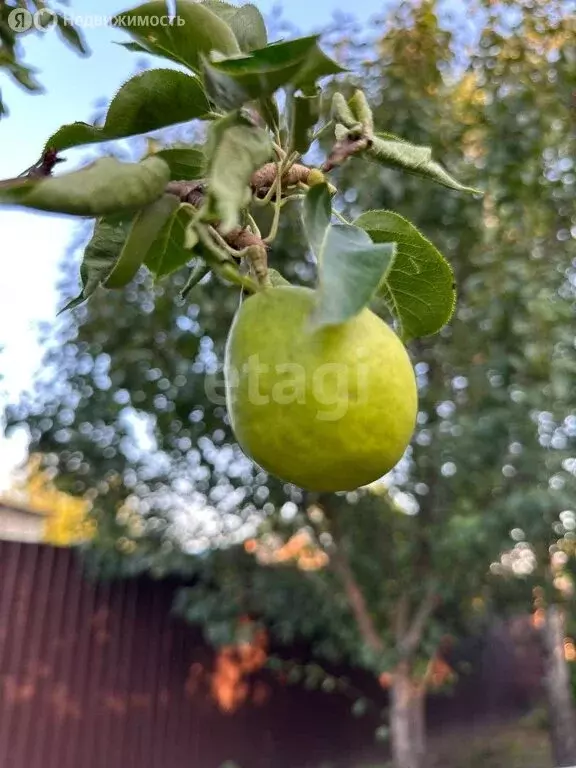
(34, 244)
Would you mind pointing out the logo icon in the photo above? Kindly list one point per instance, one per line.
(20, 20)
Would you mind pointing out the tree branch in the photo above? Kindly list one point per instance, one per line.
(400, 619)
(357, 601)
(411, 640)
(341, 566)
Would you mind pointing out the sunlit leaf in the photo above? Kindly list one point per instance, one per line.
(147, 102)
(233, 81)
(245, 21)
(413, 159)
(419, 288)
(195, 30)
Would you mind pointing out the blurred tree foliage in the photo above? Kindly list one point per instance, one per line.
(67, 520)
(19, 18)
(129, 408)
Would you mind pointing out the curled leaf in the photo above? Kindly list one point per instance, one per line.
(103, 187)
(413, 159)
(236, 149)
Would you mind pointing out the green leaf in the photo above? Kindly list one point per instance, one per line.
(135, 48)
(362, 112)
(195, 31)
(198, 273)
(168, 252)
(70, 34)
(245, 21)
(145, 228)
(414, 159)
(147, 102)
(268, 108)
(419, 289)
(316, 66)
(24, 76)
(350, 265)
(317, 216)
(304, 114)
(341, 112)
(100, 256)
(185, 164)
(236, 149)
(103, 187)
(234, 81)
(276, 278)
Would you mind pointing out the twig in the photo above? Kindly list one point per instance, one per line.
(277, 207)
(356, 600)
(40, 170)
(44, 166)
(350, 145)
(252, 224)
(411, 640)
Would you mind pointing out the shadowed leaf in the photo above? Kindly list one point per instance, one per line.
(106, 186)
(350, 265)
(145, 228)
(419, 288)
(236, 149)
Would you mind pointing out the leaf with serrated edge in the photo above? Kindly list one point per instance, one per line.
(145, 227)
(245, 21)
(233, 81)
(350, 265)
(100, 256)
(413, 159)
(419, 289)
(276, 278)
(147, 102)
(168, 252)
(103, 187)
(202, 31)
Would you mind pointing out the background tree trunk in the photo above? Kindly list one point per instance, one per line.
(561, 711)
(407, 724)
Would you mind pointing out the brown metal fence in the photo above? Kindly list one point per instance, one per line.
(99, 675)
